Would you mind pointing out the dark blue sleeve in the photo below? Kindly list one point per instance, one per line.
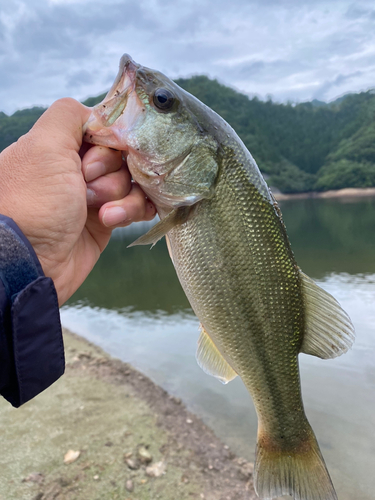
(31, 345)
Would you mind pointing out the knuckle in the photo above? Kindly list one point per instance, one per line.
(65, 102)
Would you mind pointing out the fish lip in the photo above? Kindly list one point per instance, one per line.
(103, 115)
(126, 78)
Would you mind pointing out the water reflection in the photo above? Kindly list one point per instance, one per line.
(133, 306)
(326, 235)
(137, 276)
(332, 235)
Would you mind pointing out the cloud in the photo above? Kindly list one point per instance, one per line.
(356, 12)
(79, 78)
(295, 49)
(335, 83)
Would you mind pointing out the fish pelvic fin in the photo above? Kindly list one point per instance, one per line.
(211, 360)
(329, 331)
(174, 218)
(299, 471)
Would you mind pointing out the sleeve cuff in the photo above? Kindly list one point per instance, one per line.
(30, 330)
(37, 339)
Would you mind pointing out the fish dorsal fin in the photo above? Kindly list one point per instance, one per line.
(211, 361)
(329, 331)
(174, 218)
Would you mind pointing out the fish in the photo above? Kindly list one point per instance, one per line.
(229, 246)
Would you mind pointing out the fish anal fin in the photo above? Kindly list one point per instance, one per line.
(174, 218)
(329, 331)
(211, 361)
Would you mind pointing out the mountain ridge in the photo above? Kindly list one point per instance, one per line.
(300, 147)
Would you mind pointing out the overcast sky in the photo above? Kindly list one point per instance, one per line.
(290, 49)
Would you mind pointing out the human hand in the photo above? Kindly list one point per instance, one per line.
(43, 189)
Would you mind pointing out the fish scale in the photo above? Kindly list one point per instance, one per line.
(231, 252)
(230, 226)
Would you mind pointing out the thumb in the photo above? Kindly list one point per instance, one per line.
(62, 123)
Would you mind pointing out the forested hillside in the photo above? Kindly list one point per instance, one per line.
(12, 127)
(304, 147)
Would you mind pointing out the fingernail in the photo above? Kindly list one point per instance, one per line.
(94, 170)
(113, 216)
(90, 197)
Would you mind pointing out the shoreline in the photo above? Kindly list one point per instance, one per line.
(134, 440)
(339, 193)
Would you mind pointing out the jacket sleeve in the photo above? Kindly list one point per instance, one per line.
(31, 345)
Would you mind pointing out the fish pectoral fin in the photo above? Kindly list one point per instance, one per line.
(211, 361)
(329, 331)
(174, 218)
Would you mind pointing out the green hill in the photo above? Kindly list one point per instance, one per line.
(12, 127)
(303, 147)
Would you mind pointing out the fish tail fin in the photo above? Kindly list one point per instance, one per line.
(299, 471)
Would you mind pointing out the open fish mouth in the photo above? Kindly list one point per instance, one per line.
(98, 129)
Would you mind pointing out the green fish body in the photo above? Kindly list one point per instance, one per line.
(229, 246)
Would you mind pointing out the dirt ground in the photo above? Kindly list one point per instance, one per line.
(133, 441)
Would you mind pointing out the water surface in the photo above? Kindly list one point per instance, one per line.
(133, 306)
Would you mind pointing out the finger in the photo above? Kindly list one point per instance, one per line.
(100, 233)
(111, 187)
(84, 148)
(62, 122)
(133, 208)
(99, 161)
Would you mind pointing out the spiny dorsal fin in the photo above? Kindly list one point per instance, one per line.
(174, 218)
(211, 361)
(329, 331)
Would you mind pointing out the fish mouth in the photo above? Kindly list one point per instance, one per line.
(97, 130)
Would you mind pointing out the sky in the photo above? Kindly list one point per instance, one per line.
(291, 50)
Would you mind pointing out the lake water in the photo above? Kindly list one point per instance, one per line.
(133, 306)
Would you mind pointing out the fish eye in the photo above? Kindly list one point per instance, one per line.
(163, 99)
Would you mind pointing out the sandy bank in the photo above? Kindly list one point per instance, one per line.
(340, 193)
(135, 442)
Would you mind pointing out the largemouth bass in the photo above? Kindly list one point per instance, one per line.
(228, 243)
